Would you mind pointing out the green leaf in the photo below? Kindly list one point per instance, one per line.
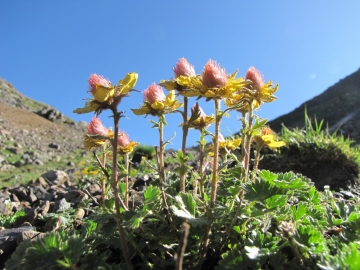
(267, 175)
(336, 221)
(353, 216)
(260, 190)
(231, 260)
(189, 203)
(299, 211)
(183, 213)
(275, 201)
(133, 218)
(237, 229)
(152, 196)
(352, 259)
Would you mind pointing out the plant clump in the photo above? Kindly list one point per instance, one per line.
(327, 159)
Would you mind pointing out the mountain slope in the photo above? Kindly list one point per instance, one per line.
(338, 106)
(34, 135)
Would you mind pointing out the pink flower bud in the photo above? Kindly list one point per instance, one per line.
(213, 75)
(256, 77)
(154, 93)
(202, 113)
(123, 139)
(183, 68)
(97, 80)
(95, 127)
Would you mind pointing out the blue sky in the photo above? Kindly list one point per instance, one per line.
(48, 50)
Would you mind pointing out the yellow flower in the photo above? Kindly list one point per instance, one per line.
(97, 135)
(156, 103)
(267, 138)
(263, 91)
(124, 144)
(241, 104)
(226, 88)
(201, 122)
(183, 71)
(183, 85)
(225, 144)
(105, 94)
(127, 148)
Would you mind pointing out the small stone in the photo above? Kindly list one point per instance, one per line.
(61, 205)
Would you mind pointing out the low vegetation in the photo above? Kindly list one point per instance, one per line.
(227, 212)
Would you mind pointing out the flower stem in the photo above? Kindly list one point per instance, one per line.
(115, 186)
(185, 129)
(248, 141)
(103, 195)
(205, 241)
(161, 153)
(216, 154)
(162, 171)
(127, 180)
(256, 162)
(201, 166)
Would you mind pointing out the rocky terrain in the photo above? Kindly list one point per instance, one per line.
(40, 149)
(33, 135)
(338, 106)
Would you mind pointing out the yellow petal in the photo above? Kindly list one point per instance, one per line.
(127, 148)
(274, 144)
(170, 98)
(184, 80)
(89, 107)
(128, 82)
(158, 105)
(168, 85)
(103, 93)
(143, 110)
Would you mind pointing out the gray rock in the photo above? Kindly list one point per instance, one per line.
(19, 163)
(42, 194)
(8, 240)
(76, 196)
(56, 176)
(61, 205)
(54, 146)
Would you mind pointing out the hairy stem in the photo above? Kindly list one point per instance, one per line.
(182, 246)
(160, 161)
(201, 168)
(127, 180)
(185, 129)
(103, 188)
(115, 186)
(205, 241)
(248, 141)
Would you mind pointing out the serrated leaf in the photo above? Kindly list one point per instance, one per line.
(189, 203)
(260, 190)
(151, 194)
(299, 210)
(267, 175)
(275, 201)
(183, 213)
(133, 218)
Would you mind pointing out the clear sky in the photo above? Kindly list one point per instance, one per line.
(48, 49)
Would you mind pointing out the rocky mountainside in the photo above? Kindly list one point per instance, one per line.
(33, 134)
(338, 106)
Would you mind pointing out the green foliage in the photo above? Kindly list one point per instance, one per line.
(7, 221)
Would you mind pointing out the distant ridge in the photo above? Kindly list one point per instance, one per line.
(339, 106)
